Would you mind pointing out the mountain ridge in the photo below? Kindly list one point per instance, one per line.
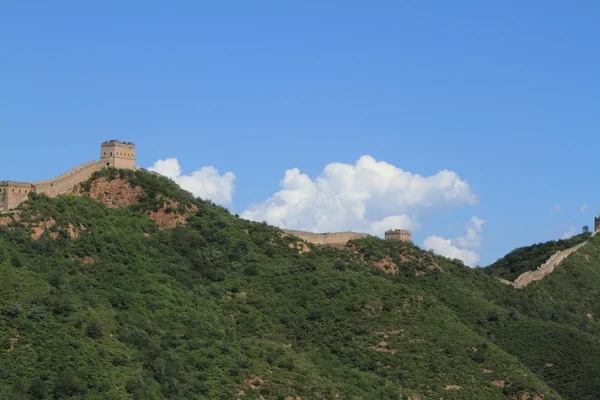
(108, 303)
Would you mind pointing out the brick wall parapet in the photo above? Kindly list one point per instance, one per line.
(118, 142)
(15, 183)
(69, 173)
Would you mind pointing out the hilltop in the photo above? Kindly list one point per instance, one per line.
(131, 288)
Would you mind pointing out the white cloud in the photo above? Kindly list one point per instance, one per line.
(368, 196)
(205, 182)
(583, 208)
(570, 233)
(444, 247)
(555, 209)
(472, 239)
(459, 247)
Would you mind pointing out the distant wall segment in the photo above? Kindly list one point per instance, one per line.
(402, 235)
(327, 238)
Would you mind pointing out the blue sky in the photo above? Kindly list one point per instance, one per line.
(505, 95)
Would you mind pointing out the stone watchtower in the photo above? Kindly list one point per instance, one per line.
(596, 224)
(13, 193)
(401, 235)
(118, 154)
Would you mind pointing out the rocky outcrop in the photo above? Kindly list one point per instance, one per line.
(115, 193)
(50, 226)
(118, 193)
(166, 218)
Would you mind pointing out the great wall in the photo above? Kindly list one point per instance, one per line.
(117, 154)
(344, 237)
(547, 267)
(327, 238)
(113, 153)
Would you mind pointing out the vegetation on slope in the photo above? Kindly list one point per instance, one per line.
(225, 308)
(550, 326)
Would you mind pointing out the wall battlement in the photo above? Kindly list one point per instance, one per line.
(113, 141)
(113, 154)
(14, 183)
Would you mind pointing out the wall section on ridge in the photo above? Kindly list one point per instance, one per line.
(14, 193)
(67, 181)
(327, 238)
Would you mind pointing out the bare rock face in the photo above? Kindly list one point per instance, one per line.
(118, 193)
(452, 387)
(47, 225)
(300, 246)
(167, 219)
(114, 194)
(43, 226)
(385, 264)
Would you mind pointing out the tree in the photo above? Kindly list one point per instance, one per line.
(586, 229)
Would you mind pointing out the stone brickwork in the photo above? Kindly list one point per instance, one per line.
(112, 154)
(65, 182)
(401, 235)
(344, 237)
(13, 193)
(327, 238)
(118, 154)
(596, 224)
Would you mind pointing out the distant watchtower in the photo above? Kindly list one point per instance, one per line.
(401, 235)
(118, 154)
(596, 224)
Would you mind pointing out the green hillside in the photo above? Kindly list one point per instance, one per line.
(113, 302)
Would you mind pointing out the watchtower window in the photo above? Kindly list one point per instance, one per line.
(111, 153)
